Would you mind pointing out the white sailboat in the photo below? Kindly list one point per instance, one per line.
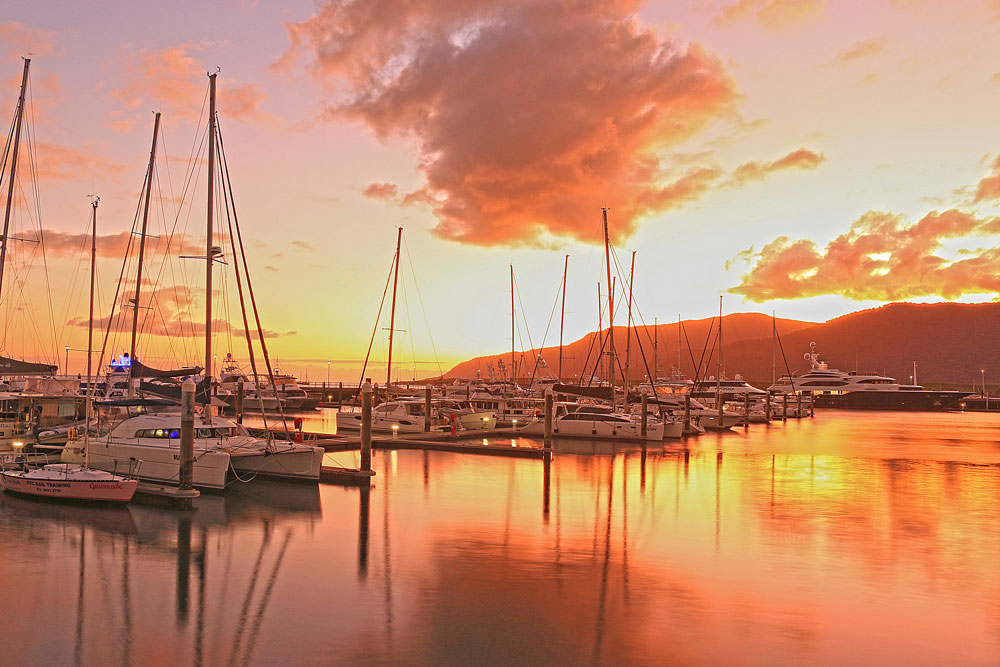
(70, 481)
(221, 446)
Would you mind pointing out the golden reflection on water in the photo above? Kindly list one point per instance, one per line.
(847, 539)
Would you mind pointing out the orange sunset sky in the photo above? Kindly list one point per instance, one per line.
(807, 157)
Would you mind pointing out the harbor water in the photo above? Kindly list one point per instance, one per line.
(850, 538)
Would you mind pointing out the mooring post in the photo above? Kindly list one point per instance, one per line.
(687, 413)
(767, 407)
(719, 404)
(366, 426)
(812, 404)
(340, 396)
(186, 475)
(643, 425)
(798, 411)
(548, 419)
(427, 409)
(239, 401)
(746, 409)
(784, 407)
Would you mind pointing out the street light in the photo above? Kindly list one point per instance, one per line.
(68, 350)
(328, 372)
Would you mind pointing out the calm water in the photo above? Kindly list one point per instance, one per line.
(848, 539)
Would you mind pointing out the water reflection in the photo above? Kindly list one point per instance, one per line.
(820, 542)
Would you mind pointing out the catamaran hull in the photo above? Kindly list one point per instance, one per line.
(116, 491)
(162, 464)
(302, 463)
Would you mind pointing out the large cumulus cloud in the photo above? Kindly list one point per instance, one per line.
(529, 115)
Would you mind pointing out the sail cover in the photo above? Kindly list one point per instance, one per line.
(10, 366)
(603, 393)
(140, 370)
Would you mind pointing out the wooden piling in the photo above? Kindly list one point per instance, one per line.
(784, 407)
(643, 425)
(186, 474)
(366, 426)
(340, 396)
(239, 401)
(746, 409)
(548, 419)
(767, 406)
(687, 412)
(427, 409)
(798, 411)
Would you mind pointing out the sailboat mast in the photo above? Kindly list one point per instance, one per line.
(628, 330)
(598, 368)
(611, 309)
(13, 168)
(90, 336)
(718, 375)
(392, 316)
(679, 345)
(142, 245)
(656, 351)
(562, 317)
(209, 259)
(513, 375)
(774, 357)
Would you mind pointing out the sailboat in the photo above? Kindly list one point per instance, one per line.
(221, 446)
(71, 481)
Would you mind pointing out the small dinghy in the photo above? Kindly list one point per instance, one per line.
(71, 482)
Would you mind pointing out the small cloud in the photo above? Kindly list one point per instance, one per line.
(270, 268)
(861, 50)
(773, 14)
(802, 158)
(20, 40)
(302, 245)
(383, 191)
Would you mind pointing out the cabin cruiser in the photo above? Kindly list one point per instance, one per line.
(670, 397)
(510, 411)
(284, 394)
(579, 420)
(220, 446)
(832, 388)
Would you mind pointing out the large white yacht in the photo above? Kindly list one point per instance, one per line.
(834, 388)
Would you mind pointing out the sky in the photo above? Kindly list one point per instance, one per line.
(803, 157)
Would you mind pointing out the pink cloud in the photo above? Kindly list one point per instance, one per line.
(528, 115)
(802, 158)
(385, 191)
(881, 258)
(20, 40)
(174, 80)
(776, 14)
